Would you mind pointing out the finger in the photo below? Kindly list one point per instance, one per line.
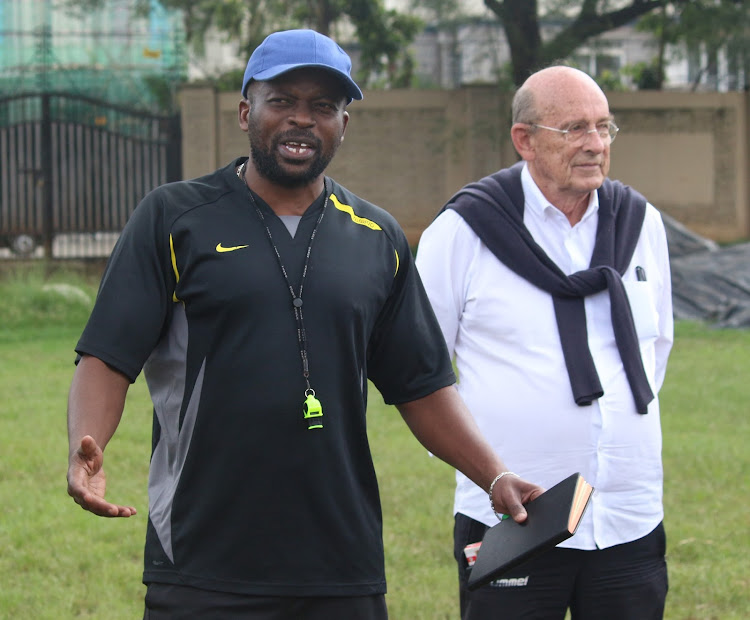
(98, 505)
(536, 492)
(103, 508)
(520, 492)
(517, 512)
(88, 448)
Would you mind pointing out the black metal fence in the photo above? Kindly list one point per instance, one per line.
(73, 168)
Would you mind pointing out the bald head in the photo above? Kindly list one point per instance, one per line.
(550, 90)
(548, 106)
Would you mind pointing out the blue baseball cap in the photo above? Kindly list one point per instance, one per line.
(287, 50)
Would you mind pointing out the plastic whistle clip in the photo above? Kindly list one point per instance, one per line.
(313, 412)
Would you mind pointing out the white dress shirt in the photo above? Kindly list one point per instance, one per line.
(503, 335)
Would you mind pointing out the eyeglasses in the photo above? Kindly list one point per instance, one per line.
(576, 133)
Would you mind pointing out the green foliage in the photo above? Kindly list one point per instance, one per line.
(61, 562)
(229, 81)
(584, 20)
(163, 92)
(504, 78)
(707, 24)
(609, 81)
(662, 24)
(645, 75)
(440, 11)
(710, 22)
(383, 35)
(82, 7)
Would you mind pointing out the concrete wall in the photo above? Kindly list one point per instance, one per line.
(409, 151)
(688, 154)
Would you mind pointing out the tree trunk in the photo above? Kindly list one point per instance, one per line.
(519, 20)
(324, 15)
(527, 51)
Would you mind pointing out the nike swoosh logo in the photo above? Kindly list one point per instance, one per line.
(221, 248)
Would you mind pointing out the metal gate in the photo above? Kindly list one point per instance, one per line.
(74, 168)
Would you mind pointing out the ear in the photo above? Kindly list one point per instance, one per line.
(242, 114)
(346, 122)
(520, 134)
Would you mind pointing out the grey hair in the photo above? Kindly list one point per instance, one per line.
(524, 107)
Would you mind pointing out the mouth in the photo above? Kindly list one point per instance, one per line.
(589, 165)
(298, 149)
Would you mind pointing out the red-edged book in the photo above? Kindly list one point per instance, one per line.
(552, 517)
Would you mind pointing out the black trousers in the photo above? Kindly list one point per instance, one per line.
(624, 582)
(173, 602)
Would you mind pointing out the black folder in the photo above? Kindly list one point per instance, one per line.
(552, 517)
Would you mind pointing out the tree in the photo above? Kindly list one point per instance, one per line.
(521, 22)
(709, 26)
(383, 35)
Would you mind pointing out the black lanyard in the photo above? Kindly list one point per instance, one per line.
(312, 409)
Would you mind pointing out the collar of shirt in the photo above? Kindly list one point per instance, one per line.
(570, 247)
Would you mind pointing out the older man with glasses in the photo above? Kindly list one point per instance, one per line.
(551, 284)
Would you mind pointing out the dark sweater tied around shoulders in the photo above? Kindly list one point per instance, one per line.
(493, 208)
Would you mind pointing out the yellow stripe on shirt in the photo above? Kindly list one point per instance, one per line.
(174, 267)
(362, 221)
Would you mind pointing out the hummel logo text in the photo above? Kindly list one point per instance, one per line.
(510, 583)
(221, 248)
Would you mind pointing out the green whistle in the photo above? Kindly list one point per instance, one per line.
(313, 412)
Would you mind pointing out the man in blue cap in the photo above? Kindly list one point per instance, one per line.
(258, 300)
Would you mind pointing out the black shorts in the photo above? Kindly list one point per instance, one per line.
(172, 602)
(618, 583)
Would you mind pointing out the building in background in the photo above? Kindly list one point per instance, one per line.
(476, 52)
(472, 49)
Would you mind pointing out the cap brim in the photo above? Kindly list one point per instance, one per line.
(351, 88)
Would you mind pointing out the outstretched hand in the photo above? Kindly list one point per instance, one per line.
(511, 492)
(87, 481)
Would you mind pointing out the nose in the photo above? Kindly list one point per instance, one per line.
(598, 143)
(302, 115)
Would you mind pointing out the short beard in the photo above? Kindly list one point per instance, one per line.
(267, 163)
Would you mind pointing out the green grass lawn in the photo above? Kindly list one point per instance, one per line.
(58, 561)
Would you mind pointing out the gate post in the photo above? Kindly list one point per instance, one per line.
(46, 165)
(174, 149)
